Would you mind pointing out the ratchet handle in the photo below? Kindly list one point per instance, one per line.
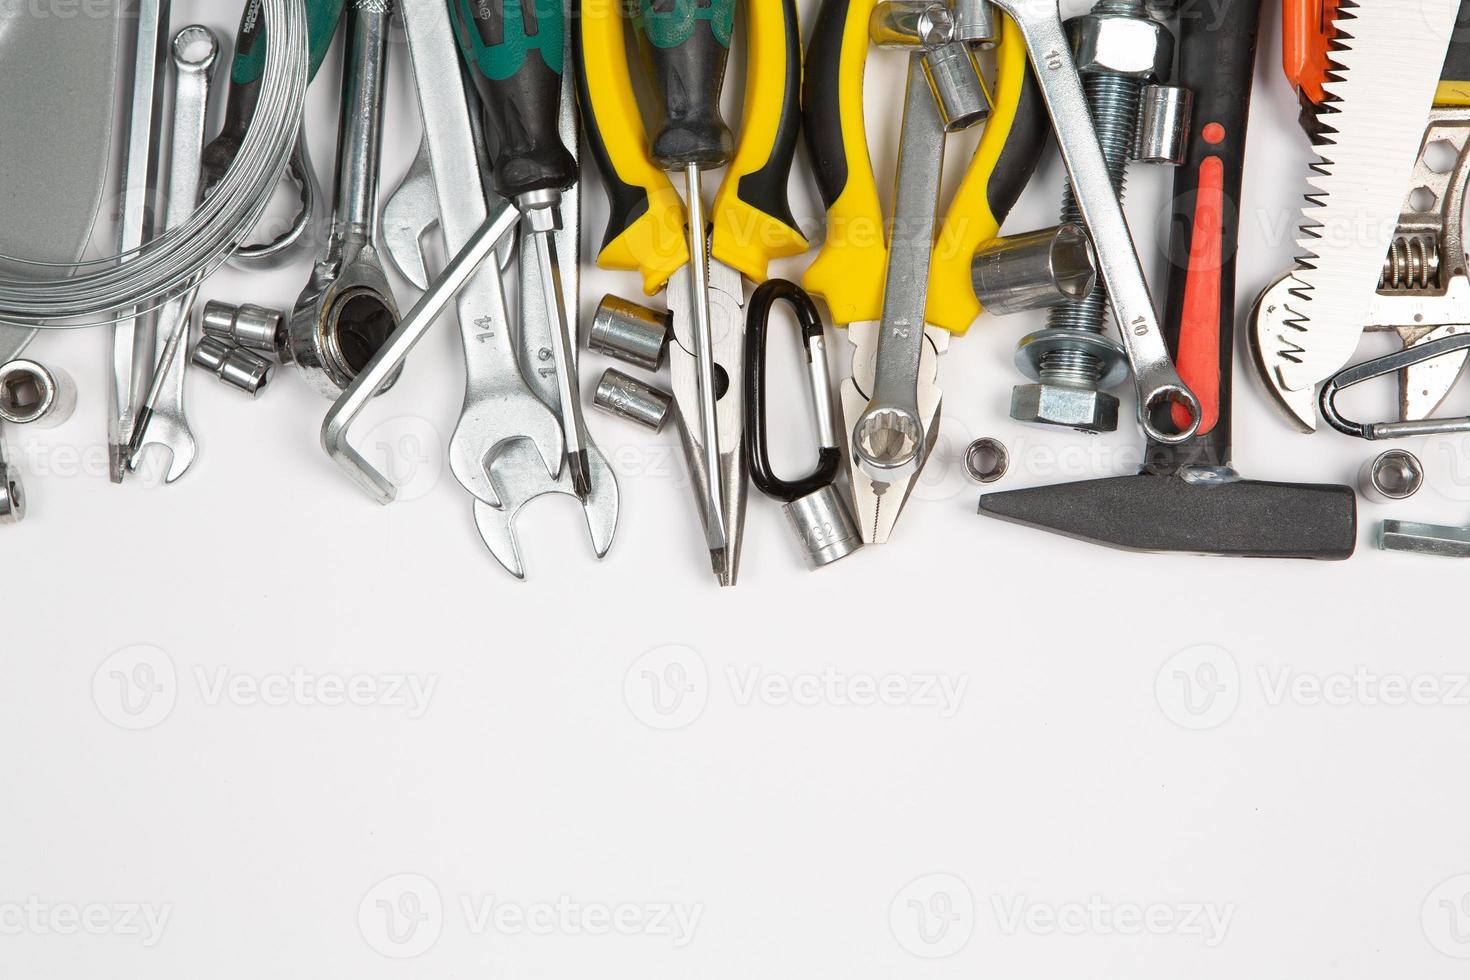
(514, 49)
(1010, 150)
(1216, 63)
(752, 218)
(851, 267)
(686, 46)
(645, 231)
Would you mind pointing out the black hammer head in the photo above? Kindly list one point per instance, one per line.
(1242, 518)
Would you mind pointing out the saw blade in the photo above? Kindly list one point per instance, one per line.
(1386, 65)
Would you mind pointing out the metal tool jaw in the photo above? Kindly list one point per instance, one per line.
(727, 324)
(517, 472)
(879, 503)
(1423, 294)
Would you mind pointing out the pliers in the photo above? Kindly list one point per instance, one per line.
(751, 223)
(851, 269)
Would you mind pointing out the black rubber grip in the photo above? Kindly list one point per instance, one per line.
(757, 325)
(821, 101)
(686, 57)
(766, 188)
(514, 49)
(1457, 60)
(1030, 133)
(1217, 63)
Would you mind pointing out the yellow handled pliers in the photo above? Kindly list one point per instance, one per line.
(751, 223)
(850, 271)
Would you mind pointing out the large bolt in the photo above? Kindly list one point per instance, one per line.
(1119, 50)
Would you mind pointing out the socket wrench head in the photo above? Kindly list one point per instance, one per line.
(31, 393)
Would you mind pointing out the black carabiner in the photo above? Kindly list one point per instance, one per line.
(829, 457)
(1377, 368)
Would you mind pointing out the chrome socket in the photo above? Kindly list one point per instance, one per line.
(32, 394)
(1164, 114)
(1034, 271)
(247, 325)
(628, 398)
(824, 526)
(630, 332)
(236, 366)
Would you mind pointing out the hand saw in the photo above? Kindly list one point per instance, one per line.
(1377, 70)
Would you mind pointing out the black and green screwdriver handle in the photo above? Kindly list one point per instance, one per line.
(752, 217)
(322, 18)
(515, 51)
(851, 270)
(1217, 60)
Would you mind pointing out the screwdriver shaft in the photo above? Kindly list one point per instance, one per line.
(564, 346)
(704, 355)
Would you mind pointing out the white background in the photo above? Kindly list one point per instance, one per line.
(1089, 763)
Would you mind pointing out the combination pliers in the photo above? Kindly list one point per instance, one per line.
(851, 269)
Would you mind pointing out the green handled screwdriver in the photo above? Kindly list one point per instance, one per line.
(685, 46)
(515, 50)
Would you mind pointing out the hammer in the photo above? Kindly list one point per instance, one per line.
(1187, 498)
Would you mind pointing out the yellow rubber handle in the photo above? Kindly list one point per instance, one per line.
(752, 216)
(645, 231)
(849, 271)
(1003, 164)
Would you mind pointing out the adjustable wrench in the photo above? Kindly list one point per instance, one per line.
(1155, 377)
(347, 311)
(499, 408)
(162, 421)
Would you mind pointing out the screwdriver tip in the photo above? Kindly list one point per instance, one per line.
(581, 472)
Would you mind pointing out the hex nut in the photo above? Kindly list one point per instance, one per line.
(1075, 408)
(1133, 46)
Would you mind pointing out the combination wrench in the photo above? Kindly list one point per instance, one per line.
(162, 421)
(499, 407)
(347, 311)
(1157, 381)
(139, 175)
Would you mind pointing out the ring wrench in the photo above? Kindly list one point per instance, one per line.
(347, 311)
(498, 406)
(162, 421)
(1157, 381)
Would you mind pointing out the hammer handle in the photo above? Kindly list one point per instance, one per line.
(1217, 62)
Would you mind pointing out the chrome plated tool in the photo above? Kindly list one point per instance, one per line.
(162, 421)
(347, 311)
(140, 171)
(499, 407)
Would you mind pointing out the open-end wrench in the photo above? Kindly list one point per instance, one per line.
(12, 493)
(517, 478)
(161, 421)
(1154, 375)
(498, 407)
(347, 311)
(388, 361)
(139, 177)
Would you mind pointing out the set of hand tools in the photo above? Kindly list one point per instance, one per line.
(511, 93)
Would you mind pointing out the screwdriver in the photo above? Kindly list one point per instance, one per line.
(685, 52)
(515, 50)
